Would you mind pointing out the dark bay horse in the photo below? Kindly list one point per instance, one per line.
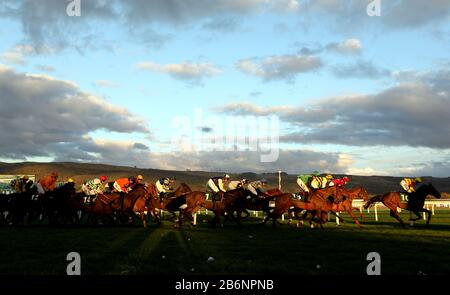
(260, 202)
(188, 204)
(231, 201)
(56, 204)
(182, 200)
(415, 203)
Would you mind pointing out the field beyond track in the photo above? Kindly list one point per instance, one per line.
(253, 249)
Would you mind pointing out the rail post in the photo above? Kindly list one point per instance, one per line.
(279, 180)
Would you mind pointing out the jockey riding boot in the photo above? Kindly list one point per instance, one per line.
(122, 200)
(161, 200)
(306, 196)
(214, 197)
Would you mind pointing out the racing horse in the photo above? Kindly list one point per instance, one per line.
(260, 202)
(231, 201)
(143, 203)
(320, 202)
(415, 203)
(173, 202)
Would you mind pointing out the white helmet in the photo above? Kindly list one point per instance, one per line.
(226, 176)
(97, 181)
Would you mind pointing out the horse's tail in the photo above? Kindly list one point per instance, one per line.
(377, 198)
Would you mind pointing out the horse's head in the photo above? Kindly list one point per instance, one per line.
(151, 190)
(433, 191)
(363, 194)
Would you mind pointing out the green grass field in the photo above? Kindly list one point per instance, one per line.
(252, 249)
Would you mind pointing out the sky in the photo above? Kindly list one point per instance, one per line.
(359, 87)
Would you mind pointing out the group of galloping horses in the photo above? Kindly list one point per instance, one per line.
(65, 206)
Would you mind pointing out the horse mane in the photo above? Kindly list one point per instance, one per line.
(427, 188)
(185, 185)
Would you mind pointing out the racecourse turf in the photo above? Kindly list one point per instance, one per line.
(250, 249)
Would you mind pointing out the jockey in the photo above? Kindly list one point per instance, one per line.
(163, 187)
(94, 187)
(70, 183)
(22, 184)
(15, 184)
(237, 184)
(216, 186)
(123, 185)
(26, 184)
(47, 183)
(303, 179)
(139, 179)
(257, 187)
(408, 184)
(319, 182)
(341, 181)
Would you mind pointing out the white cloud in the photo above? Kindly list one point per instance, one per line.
(187, 71)
(348, 46)
(13, 58)
(46, 116)
(408, 114)
(281, 67)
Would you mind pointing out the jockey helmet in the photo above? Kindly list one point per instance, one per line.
(70, 180)
(166, 181)
(25, 177)
(226, 176)
(264, 181)
(329, 176)
(418, 179)
(102, 178)
(139, 177)
(97, 181)
(244, 180)
(132, 179)
(346, 179)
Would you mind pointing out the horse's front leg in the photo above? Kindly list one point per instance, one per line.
(429, 214)
(419, 216)
(319, 216)
(396, 216)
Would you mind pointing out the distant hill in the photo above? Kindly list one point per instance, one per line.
(81, 172)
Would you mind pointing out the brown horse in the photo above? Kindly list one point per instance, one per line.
(321, 202)
(155, 206)
(190, 204)
(231, 201)
(260, 202)
(126, 206)
(143, 203)
(104, 206)
(182, 200)
(415, 203)
(354, 193)
(283, 202)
